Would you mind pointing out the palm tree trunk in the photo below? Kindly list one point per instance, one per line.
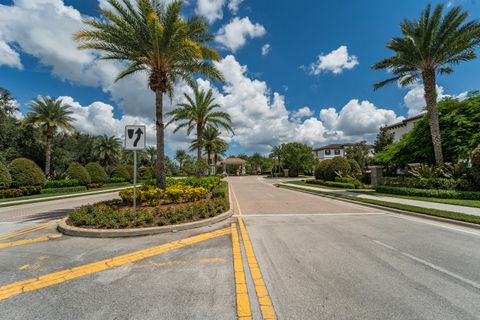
(200, 142)
(209, 165)
(430, 89)
(215, 157)
(48, 152)
(160, 163)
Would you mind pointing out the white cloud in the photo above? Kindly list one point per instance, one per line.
(233, 5)
(210, 9)
(9, 57)
(302, 113)
(266, 49)
(335, 62)
(234, 34)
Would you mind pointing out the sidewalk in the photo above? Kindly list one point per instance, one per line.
(425, 204)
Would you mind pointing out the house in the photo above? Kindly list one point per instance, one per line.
(399, 129)
(334, 150)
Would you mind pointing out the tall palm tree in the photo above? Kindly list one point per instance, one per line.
(50, 115)
(107, 149)
(431, 45)
(211, 142)
(197, 113)
(153, 37)
(180, 156)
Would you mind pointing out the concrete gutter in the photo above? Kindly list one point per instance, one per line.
(64, 228)
(393, 210)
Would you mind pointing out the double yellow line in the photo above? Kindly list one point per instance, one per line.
(25, 231)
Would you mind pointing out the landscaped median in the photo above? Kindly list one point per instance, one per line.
(396, 207)
(184, 204)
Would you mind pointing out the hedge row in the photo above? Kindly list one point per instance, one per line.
(19, 192)
(333, 184)
(63, 190)
(430, 193)
(67, 183)
(423, 183)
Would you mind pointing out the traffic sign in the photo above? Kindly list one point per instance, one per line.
(135, 137)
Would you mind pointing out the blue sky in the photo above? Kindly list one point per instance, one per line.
(274, 98)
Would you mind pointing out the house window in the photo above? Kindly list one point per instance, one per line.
(328, 152)
(337, 152)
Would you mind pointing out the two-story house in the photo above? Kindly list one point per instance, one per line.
(334, 150)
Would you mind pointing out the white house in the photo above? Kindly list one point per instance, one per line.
(334, 150)
(399, 129)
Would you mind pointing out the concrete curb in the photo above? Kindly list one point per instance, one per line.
(409, 213)
(64, 228)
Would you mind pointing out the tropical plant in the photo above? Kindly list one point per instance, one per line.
(431, 45)
(153, 36)
(211, 142)
(198, 112)
(475, 159)
(151, 155)
(50, 115)
(360, 152)
(107, 149)
(425, 171)
(181, 156)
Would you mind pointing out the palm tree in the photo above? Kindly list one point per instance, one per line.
(151, 153)
(180, 156)
(431, 45)
(107, 149)
(211, 142)
(197, 113)
(50, 115)
(153, 37)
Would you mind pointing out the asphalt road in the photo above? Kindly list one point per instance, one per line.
(319, 258)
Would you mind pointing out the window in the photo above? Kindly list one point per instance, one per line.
(328, 152)
(337, 152)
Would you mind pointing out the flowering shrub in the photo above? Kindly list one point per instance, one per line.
(206, 182)
(145, 194)
(181, 193)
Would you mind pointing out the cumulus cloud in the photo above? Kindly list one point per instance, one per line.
(210, 9)
(302, 113)
(234, 34)
(9, 57)
(335, 62)
(266, 49)
(233, 5)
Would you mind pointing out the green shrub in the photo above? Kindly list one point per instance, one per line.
(97, 173)
(64, 190)
(66, 183)
(475, 173)
(350, 180)
(20, 191)
(116, 180)
(339, 166)
(431, 183)
(322, 170)
(354, 167)
(94, 185)
(5, 177)
(120, 172)
(206, 182)
(332, 184)
(146, 172)
(221, 190)
(430, 193)
(25, 172)
(77, 172)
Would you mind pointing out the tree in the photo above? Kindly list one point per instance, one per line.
(7, 103)
(359, 152)
(197, 113)
(181, 156)
(384, 139)
(107, 149)
(153, 37)
(151, 155)
(297, 157)
(431, 45)
(211, 143)
(50, 115)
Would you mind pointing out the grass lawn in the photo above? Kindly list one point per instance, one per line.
(302, 183)
(39, 197)
(432, 212)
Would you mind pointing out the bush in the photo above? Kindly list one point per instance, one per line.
(206, 182)
(64, 190)
(354, 167)
(340, 167)
(120, 172)
(97, 173)
(77, 172)
(321, 171)
(20, 191)
(146, 173)
(5, 177)
(350, 180)
(430, 183)
(62, 183)
(221, 190)
(25, 172)
(116, 180)
(475, 173)
(332, 184)
(145, 194)
(180, 193)
(430, 193)
(94, 185)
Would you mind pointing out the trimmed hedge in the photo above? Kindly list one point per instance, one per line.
(5, 177)
(66, 183)
(120, 172)
(64, 190)
(78, 172)
(19, 192)
(25, 173)
(424, 183)
(116, 180)
(430, 193)
(332, 184)
(97, 173)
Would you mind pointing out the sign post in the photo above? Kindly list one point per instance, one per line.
(135, 139)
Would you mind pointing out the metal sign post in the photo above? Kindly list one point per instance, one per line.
(135, 139)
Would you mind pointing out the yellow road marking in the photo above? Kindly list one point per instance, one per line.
(25, 266)
(25, 231)
(175, 263)
(236, 201)
(243, 302)
(32, 284)
(262, 293)
(28, 241)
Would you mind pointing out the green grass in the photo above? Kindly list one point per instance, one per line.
(458, 202)
(303, 183)
(39, 197)
(431, 212)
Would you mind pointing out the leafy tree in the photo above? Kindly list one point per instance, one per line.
(384, 139)
(153, 36)
(50, 115)
(211, 142)
(198, 113)
(431, 45)
(297, 157)
(107, 149)
(360, 153)
(7, 103)
(181, 156)
(5, 176)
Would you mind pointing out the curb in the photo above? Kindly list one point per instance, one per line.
(64, 228)
(409, 213)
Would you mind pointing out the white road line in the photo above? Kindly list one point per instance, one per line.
(236, 200)
(431, 265)
(311, 214)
